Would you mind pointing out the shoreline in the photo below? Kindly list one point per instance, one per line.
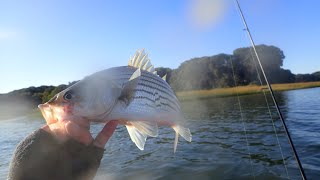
(204, 94)
(242, 90)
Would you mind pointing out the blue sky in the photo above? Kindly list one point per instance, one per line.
(59, 41)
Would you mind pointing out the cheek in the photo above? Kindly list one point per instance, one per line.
(79, 110)
(64, 112)
(86, 110)
(68, 109)
(107, 102)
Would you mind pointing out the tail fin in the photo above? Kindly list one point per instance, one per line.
(184, 132)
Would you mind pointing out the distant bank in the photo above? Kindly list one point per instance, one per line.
(242, 90)
(16, 109)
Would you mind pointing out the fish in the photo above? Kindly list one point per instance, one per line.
(134, 95)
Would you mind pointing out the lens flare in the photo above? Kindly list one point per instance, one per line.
(205, 14)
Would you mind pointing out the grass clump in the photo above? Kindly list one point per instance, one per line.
(242, 90)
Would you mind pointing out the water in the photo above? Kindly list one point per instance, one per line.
(219, 148)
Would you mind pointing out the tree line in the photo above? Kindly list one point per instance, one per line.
(237, 69)
(209, 72)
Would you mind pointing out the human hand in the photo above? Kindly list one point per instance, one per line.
(79, 131)
(67, 147)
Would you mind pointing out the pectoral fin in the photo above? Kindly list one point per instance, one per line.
(128, 89)
(137, 137)
(184, 132)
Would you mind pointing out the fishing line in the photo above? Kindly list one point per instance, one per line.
(270, 114)
(272, 94)
(242, 119)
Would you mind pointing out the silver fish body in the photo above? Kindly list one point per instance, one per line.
(134, 95)
(152, 95)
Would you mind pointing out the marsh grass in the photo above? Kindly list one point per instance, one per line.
(242, 90)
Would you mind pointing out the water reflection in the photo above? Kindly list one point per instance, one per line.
(251, 139)
(219, 148)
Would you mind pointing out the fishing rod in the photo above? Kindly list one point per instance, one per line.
(272, 94)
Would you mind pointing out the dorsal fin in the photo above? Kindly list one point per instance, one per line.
(164, 77)
(141, 60)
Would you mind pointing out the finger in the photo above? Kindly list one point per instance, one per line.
(78, 133)
(103, 137)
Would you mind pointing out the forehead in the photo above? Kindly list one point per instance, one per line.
(58, 97)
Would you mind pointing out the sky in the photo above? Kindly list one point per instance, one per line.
(54, 42)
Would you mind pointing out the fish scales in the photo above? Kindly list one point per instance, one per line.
(147, 84)
(133, 95)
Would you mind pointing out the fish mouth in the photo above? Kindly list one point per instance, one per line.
(47, 113)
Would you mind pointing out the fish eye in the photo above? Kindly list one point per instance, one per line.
(67, 96)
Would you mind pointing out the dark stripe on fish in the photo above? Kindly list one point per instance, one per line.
(161, 84)
(161, 97)
(158, 79)
(151, 100)
(144, 73)
(161, 90)
(164, 90)
(168, 96)
(143, 97)
(155, 83)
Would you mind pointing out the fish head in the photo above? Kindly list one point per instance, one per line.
(57, 108)
(87, 99)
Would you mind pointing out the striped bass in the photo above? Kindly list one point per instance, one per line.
(133, 95)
